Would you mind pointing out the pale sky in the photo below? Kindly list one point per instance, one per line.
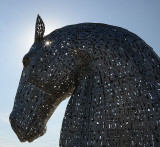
(17, 22)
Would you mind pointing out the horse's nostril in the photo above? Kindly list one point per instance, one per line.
(26, 61)
(11, 119)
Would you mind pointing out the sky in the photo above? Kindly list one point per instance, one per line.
(17, 24)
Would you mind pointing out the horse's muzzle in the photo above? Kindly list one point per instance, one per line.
(26, 132)
(17, 129)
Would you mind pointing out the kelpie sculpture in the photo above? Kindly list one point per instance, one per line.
(112, 76)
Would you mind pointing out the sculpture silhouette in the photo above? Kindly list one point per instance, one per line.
(112, 76)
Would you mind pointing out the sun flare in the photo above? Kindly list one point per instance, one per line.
(47, 43)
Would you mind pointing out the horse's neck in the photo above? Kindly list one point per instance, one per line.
(112, 99)
(102, 90)
(101, 94)
(109, 98)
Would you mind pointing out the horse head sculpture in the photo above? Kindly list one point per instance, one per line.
(113, 79)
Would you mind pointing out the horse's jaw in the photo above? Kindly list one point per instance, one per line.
(31, 138)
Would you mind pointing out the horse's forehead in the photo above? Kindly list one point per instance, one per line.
(37, 45)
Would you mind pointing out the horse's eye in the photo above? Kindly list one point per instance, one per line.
(25, 61)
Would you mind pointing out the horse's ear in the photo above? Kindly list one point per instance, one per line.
(39, 29)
